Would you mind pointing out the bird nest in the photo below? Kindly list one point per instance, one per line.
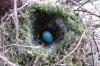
(37, 18)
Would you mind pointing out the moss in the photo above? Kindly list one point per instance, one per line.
(16, 57)
(63, 43)
(51, 58)
(28, 15)
(72, 21)
(21, 59)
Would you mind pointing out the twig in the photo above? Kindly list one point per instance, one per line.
(27, 3)
(16, 21)
(24, 5)
(6, 50)
(95, 42)
(90, 31)
(74, 49)
(21, 46)
(92, 54)
(3, 27)
(84, 4)
(84, 10)
(7, 61)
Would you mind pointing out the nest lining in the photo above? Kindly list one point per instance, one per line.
(47, 22)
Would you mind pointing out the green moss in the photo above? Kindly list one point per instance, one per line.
(63, 43)
(72, 22)
(21, 59)
(51, 58)
(16, 57)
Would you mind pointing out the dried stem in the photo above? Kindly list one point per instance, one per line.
(16, 21)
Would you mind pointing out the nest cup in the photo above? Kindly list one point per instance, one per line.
(37, 18)
(47, 22)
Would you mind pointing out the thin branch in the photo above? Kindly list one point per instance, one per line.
(28, 2)
(16, 21)
(21, 46)
(92, 54)
(3, 28)
(84, 10)
(95, 42)
(84, 4)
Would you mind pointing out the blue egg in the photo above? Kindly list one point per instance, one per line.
(47, 36)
